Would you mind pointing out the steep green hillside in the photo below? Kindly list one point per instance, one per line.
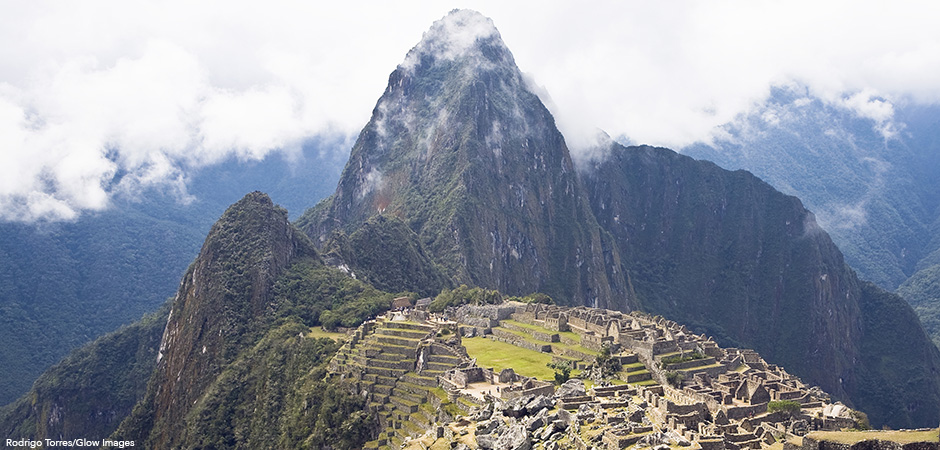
(93, 389)
(385, 252)
(236, 365)
(896, 380)
(922, 291)
(235, 368)
(272, 395)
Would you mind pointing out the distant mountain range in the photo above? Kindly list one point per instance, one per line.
(872, 181)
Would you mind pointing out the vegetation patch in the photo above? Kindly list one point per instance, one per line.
(317, 332)
(788, 406)
(680, 358)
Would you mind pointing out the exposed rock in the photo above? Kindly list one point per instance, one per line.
(537, 421)
(487, 427)
(571, 388)
(539, 403)
(484, 413)
(486, 441)
(585, 413)
(516, 438)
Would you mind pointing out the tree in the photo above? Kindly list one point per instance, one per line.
(562, 371)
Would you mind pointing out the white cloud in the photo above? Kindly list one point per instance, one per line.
(148, 90)
(867, 105)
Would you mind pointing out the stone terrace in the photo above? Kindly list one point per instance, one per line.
(397, 360)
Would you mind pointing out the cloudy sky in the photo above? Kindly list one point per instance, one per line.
(98, 98)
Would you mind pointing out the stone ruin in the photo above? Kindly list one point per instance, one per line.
(712, 397)
(675, 388)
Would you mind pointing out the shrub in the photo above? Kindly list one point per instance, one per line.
(562, 371)
(789, 406)
(674, 378)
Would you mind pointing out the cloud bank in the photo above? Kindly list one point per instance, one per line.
(104, 97)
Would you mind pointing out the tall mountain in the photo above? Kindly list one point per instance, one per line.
(729, 255)
(462, 174)
(460, 150)
(463, 152)
(217, 312)
(230, 362)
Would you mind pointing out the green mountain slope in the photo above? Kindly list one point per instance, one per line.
(386, 253)
(235, 367)
(93, 389)
(922, 291)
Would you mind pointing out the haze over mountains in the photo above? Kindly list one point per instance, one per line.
(870, 177)
(463, 153)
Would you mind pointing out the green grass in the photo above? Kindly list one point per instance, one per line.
(317, 332)
(851, 437)
(500, 355)
(637, 366)
(439, 393)
(693, 369)
(528, 326)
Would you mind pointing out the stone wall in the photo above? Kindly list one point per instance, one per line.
(505, 336)
(538, 335)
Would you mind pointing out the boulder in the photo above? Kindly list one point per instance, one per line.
(516, 438)
(538, 403)
(571, 388)
(486, 441)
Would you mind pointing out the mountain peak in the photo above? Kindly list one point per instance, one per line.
(462, 34)
(471, 160)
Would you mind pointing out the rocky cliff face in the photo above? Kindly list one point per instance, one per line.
(218, 311)
(729, 255)
(461, 150)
